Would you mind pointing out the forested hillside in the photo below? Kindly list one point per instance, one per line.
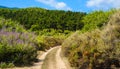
(39, 19)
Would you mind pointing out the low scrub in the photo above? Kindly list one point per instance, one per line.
(98, 49)
(96, 19)
(48, 38)
(17, 48)
(9, 25)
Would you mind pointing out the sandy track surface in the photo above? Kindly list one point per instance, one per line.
(38, 64)
(59, 61)
(49, 60)
(54, 60)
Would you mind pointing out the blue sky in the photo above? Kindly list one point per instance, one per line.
(73, 5)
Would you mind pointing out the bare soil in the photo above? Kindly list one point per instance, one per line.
(50, 59)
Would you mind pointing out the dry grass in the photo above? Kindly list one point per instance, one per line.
(97, 49)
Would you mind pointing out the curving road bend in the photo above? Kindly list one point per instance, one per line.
(49, 60)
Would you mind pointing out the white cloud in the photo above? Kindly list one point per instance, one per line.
(55, 4)
(103, 4)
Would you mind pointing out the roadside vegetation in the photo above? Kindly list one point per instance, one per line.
(25, 31)
(17, 46)
(96, 19)
(97, 49)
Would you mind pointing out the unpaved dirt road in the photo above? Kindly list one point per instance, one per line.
(49, 60)
(54, 61)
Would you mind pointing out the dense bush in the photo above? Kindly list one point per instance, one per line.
(96, 19)
(10, 25)
(4, 65)
(48, 38)
(17, 48)
(98, 49)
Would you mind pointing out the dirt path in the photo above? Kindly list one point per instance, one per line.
(37, 65)
(49, 60)
(59, 61)
(54, 60)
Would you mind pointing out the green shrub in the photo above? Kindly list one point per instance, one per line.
(48, 38)
(6, 65)
(96, 19)
(17, 48)
(98, 49)
(9, 25)
(46, 42)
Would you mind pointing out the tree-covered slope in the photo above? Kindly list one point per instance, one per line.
(39, 19)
